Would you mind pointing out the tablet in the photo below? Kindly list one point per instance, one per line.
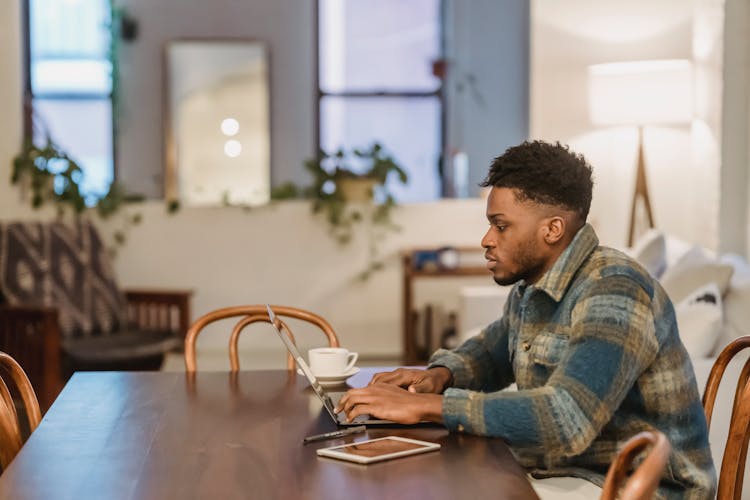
(377, 450)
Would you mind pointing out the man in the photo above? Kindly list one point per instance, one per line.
(589, 338)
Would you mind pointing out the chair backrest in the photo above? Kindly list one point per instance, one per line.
(732, 471)
(11, 438)
(248, 315)
(645, 479)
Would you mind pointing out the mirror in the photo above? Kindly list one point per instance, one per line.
(217, 125)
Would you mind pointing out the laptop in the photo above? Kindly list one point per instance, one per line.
(329, 399)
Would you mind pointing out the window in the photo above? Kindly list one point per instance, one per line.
(376, 84)
(69, 85)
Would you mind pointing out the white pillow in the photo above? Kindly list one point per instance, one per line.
(650, 250)
(676, 248)
(700, 319)
(695, 269)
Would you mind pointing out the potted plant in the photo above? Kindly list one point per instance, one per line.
(350, 187)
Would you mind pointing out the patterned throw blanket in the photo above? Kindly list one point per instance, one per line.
(63, 266)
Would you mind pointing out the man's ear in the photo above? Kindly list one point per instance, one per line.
(554, 229)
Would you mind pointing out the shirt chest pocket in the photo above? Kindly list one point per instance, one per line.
(547, 349)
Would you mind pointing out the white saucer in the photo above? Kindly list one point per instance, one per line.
(336, 379)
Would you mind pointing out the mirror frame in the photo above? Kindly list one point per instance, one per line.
(171, 190)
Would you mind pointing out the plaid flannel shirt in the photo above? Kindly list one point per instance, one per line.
(594, 350)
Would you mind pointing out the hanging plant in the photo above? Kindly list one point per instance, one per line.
(52, 177)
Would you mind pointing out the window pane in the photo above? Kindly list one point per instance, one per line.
(83, 129)
(383, 45)
(69, 28)
(408, 128)
(71, 76)
(69, 40)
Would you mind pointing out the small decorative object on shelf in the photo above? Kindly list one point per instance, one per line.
(448, 258)
(443, 258)
(425, 260)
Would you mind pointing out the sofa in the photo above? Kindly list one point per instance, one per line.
(711, 296)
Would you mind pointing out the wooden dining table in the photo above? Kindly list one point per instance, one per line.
(160, 435)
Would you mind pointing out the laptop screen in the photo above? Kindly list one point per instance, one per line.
(302, 364)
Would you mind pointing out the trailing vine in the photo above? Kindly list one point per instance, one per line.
(52, 177)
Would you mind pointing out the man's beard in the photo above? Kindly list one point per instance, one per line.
(507, 281)
(529, 264)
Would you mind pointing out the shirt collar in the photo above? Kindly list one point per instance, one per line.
(556, 280)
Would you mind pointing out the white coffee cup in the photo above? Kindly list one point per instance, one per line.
(331, 360)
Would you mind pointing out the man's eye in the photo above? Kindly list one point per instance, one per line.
(500, 227)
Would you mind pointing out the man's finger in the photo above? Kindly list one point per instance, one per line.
(418, 387)
(379, 378)
(345, 399)
(353, 398)
(422, 384)
(357, 406)
(340, 404)
(387, 377)
(356, 411)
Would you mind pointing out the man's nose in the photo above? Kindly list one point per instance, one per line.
(487, 240)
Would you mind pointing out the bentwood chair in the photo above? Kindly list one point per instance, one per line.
(732, 471)
(11, 434)
(248, 315)
(642, 484)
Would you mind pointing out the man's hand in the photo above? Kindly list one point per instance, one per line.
(390, 402)
(435, 380)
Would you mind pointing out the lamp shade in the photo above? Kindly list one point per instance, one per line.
(641, 92)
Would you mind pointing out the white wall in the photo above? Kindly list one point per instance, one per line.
(282, 255)
(10, 99)
(569, 35)
(735, 178)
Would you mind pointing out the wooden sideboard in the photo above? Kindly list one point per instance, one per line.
(410, 273)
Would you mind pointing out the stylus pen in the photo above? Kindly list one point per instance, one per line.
(334, 434)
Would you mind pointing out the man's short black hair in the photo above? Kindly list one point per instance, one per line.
(546, 173)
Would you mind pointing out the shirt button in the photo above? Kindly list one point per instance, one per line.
(526, 346)
(460, 428)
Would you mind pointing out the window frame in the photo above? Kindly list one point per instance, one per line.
(29, 96)
(439, 92)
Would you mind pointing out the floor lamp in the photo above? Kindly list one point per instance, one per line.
(640, 94)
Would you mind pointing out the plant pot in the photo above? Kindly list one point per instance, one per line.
(357, 190)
